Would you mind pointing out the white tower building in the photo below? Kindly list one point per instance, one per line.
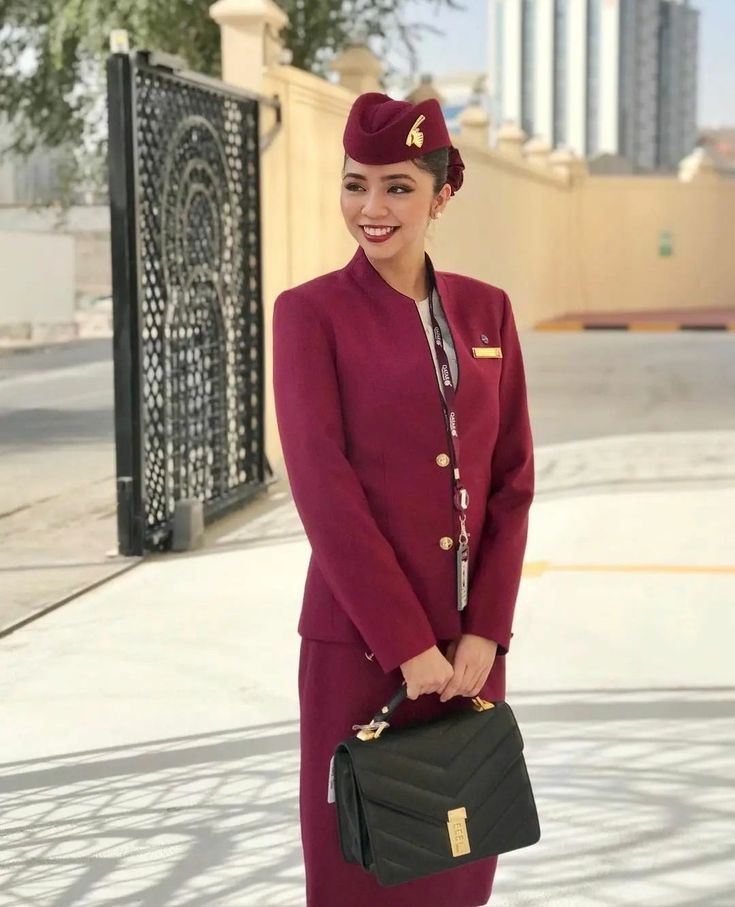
(596, 76)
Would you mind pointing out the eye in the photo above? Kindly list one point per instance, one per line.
(401, 189)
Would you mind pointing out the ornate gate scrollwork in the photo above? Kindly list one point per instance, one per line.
(184, 187)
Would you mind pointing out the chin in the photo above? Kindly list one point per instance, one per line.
(376, 250)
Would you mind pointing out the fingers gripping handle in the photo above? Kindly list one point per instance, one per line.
(379, 721)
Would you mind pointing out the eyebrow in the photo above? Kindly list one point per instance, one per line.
(391, 176)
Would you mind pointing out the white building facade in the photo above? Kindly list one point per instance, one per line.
(598, 76)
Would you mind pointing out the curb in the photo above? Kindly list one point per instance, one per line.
(90, 323)
(77, 593)
(650, 326)
(34, 346)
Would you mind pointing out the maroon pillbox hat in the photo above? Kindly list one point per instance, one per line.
(381, 130)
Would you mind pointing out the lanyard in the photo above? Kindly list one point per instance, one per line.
(461, 496)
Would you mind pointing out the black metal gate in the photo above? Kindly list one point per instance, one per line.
(188, 316)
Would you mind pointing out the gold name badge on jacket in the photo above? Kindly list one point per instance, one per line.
(487, 352)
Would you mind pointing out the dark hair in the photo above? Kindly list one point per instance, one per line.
(435, 162)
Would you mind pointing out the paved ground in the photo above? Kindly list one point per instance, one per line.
(148, 730)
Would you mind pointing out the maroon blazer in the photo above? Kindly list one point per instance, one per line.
(360, 418)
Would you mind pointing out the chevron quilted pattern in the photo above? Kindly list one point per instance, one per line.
(393, 793)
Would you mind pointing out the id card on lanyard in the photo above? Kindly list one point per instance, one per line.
(461, 495)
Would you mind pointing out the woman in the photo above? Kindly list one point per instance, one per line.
(417, 547)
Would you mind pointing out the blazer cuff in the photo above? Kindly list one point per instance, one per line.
(496, 635)
(391, 655)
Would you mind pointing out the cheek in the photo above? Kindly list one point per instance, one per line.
(349, 206)
(414, 215)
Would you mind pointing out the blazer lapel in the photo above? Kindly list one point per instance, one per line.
(365, 275)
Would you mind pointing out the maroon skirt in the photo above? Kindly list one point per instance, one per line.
(339, 687)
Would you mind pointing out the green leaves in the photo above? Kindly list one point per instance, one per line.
(52, 56)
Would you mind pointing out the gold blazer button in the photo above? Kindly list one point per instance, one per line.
(442, 460)
(446, 542)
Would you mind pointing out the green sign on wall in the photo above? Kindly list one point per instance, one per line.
(665, 243)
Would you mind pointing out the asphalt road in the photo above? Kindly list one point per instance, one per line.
(599, 383)
(56, 421)
(57, 463)
(57, 474)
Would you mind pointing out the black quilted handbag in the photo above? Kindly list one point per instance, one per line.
(431, 796)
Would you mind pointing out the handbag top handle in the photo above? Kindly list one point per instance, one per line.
(379, 722)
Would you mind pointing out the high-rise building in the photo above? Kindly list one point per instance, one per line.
(677, 112)
(598, 76)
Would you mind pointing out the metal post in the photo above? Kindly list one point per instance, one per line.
(126, 308)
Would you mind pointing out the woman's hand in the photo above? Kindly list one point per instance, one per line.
(472, 658)
(427, 672)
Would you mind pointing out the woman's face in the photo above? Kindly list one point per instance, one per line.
(399, 197)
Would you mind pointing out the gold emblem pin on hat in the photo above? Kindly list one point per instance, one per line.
(415, 135)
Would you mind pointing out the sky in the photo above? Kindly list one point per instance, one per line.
(463, 47)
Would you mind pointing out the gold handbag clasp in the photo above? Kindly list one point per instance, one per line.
(370, 731)
(457, 828)
(374, 729)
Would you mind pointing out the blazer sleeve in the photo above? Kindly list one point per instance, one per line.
(356, 559)
(497, 570)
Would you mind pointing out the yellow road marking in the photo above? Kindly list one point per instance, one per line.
(538, 568)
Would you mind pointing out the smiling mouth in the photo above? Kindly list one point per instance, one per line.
(378, 232)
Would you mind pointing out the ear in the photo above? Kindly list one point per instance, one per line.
(446, 194)
(440, 202)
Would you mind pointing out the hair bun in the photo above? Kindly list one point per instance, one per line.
(455, 169)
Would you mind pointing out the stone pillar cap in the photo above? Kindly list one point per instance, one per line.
(511, 131)
(474, 115)
(357, 58)
(242, 10)
(537, 145)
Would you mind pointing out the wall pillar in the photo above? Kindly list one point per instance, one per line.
(358, 68)
(510, 141)
(250, 39)
(698, 166)
(474, 126)
(537, 152)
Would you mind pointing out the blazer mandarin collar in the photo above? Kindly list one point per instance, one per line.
(362, 272)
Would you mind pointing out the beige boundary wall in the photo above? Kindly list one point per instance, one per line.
(557, 239)
(527, 219)
(591, 246)
(303, 231)
(615, 262)
(37, 292)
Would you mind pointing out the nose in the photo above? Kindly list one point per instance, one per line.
(373, 205)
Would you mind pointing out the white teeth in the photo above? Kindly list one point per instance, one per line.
(378, 231)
